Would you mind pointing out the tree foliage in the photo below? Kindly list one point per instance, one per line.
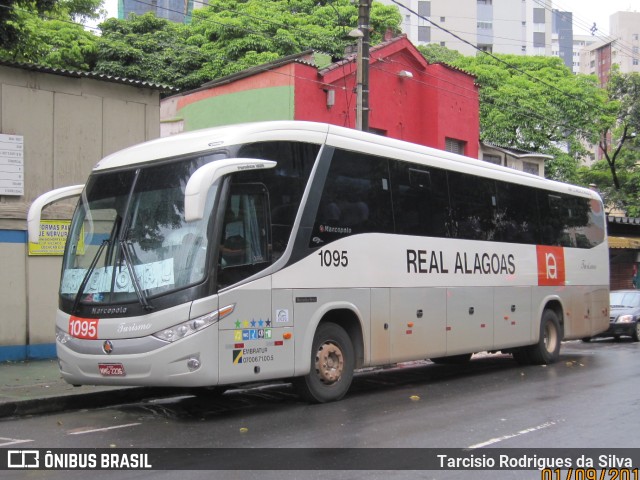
(149, 48)
(17, 18)
(223, 38)
(617, 175)
(624, 102)
(535, 104)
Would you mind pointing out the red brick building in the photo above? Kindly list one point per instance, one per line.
(410, 99)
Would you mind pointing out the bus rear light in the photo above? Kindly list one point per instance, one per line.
(189, 327)
(287, 335)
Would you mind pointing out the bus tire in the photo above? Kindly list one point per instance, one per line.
(452, 359)
(332, 365)
(547, 350)
(521, 355)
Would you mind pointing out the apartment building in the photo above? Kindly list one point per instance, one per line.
(519, 27)
(621, 47)
(174, 10)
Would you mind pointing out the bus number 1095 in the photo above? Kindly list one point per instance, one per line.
(333, 258)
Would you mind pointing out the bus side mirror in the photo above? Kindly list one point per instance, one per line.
(195, 194)
(35, 210)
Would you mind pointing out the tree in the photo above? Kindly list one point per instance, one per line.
(235, 34)
(229, 36)
(535, 104)
(149, 48)
(14, 14)
(436, 53)
(624, 101)
(54, 43)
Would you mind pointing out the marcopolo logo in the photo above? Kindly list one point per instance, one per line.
(551, 269)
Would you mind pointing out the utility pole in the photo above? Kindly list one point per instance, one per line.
(362, 66)
(364, 9)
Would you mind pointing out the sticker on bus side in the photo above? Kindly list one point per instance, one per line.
(551, 268)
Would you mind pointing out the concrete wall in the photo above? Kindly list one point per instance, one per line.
(68, 124)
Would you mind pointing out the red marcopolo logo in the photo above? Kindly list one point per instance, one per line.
(551, 269)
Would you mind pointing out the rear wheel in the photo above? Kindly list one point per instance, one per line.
(332, 365)
(547, 350)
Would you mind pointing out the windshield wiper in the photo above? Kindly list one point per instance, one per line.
(87, 275)
(126, 253)
(125, 247)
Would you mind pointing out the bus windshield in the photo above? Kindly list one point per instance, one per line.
(129, 240)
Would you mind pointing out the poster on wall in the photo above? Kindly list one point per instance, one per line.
(53, 235)
(11, 164)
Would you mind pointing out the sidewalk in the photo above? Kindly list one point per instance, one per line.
(35, 387)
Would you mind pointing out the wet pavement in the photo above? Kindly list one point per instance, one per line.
(36, 387)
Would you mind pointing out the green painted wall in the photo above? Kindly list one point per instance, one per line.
(274, 103)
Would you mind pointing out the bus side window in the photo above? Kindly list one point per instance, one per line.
(245, 244)
(473, 202)
(356, 198)
(420, 200)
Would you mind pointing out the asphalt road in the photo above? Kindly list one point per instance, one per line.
(589, 399)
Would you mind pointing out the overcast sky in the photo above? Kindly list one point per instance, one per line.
(586, 12)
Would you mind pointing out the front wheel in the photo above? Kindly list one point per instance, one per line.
(636, 332)
(332, 365)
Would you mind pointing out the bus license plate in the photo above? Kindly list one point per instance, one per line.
(111, 369)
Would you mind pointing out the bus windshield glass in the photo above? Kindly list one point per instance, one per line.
(131, 222)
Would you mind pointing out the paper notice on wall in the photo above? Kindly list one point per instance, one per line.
(11, 164)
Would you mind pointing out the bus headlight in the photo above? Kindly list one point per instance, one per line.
(62, 336)
(192, 326)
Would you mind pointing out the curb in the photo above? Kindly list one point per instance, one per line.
(61, 403)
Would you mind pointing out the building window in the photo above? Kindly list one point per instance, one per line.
(635, 36)
(530, 167)
(538, 15)
(485, 2)
(496, 159)
(485, 25)
(424, 34)
(442, 19)
(538, 40)
(636, 62)
(454, 146)
(443, 44)
(485, 48)
(424, 9)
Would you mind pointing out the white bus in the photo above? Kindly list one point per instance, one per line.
(306, 251)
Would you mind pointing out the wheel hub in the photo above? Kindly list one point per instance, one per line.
(329, 363)
(550, 338)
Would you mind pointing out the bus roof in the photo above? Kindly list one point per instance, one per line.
(211, 139)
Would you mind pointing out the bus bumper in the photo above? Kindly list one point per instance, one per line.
(189, 362)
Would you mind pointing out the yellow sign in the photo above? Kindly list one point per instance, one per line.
(53, 235)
